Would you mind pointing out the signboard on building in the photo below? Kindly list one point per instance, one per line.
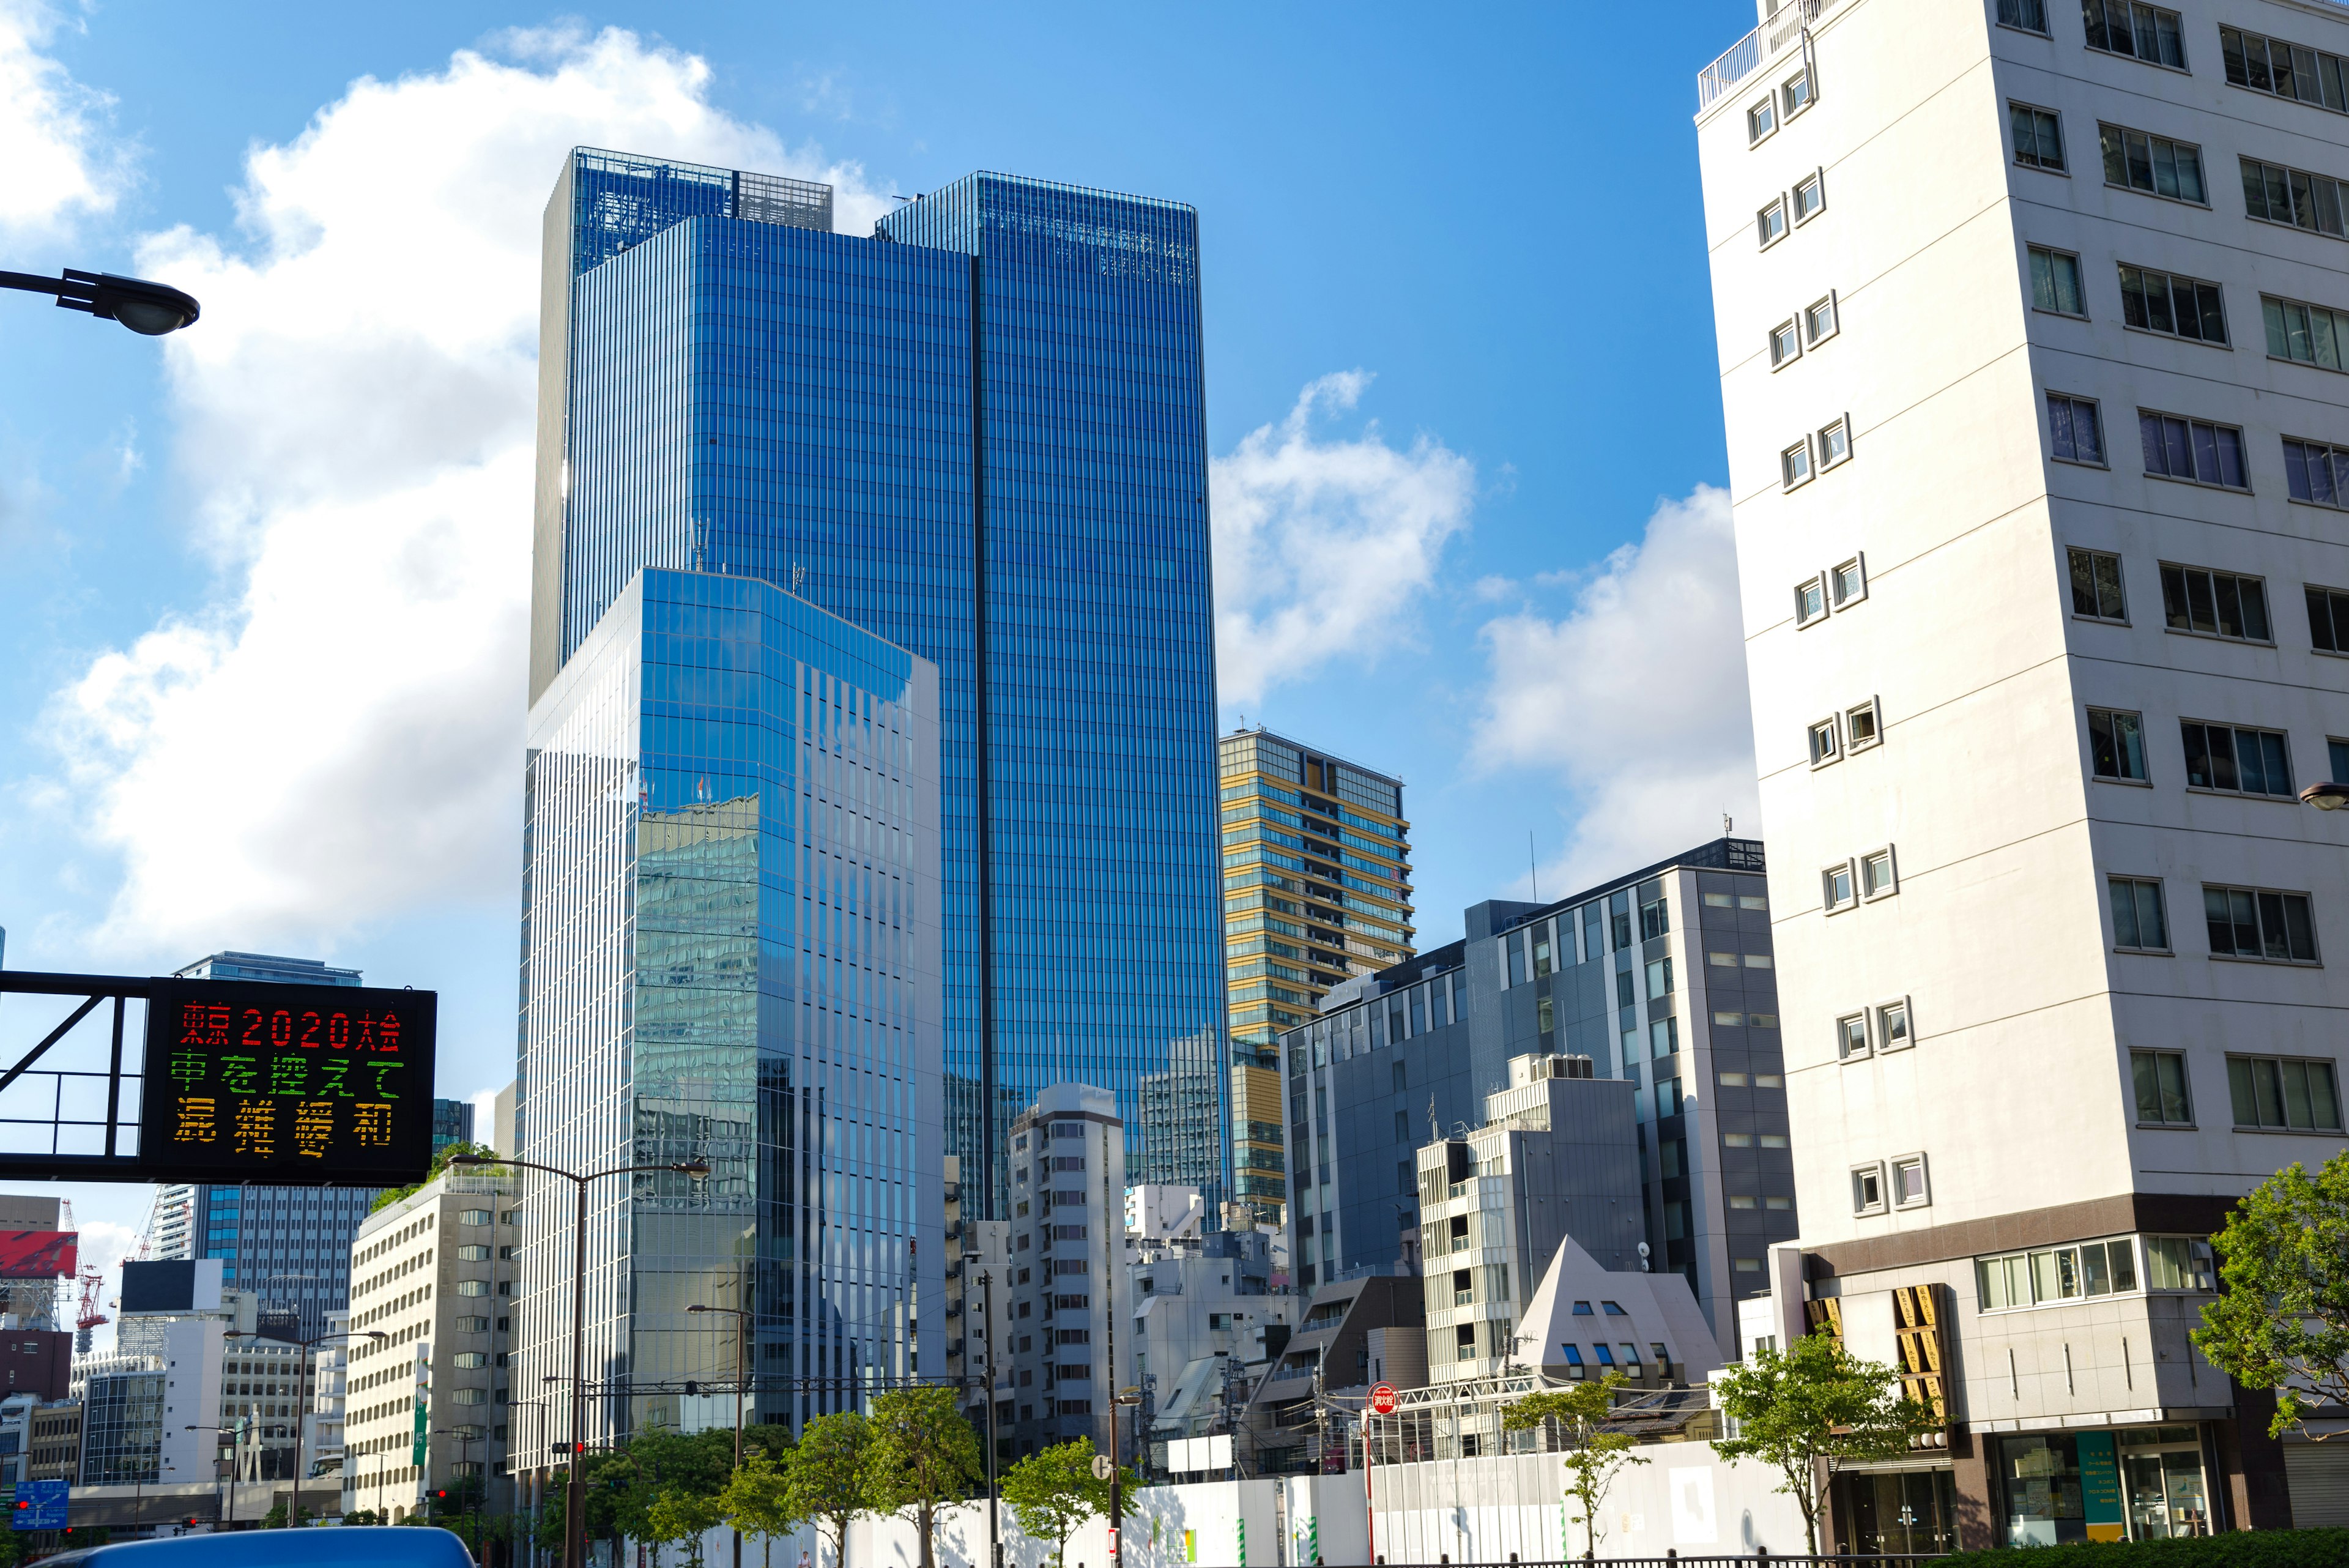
(255, 1081)
(38, 1254)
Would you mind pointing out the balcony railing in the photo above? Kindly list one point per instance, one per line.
(1756, 50)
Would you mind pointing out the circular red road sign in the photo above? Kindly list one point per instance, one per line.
(1382, 1399)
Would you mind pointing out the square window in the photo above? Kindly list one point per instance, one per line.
(1892, 1028)
(2140, 923)
(1836, 886)
(1908, 1189)
(1851, 1036)
(2056, 282)
(1867, 1190)
(1794, 95)
(2096, 585)
(1819, 321)
(1761, 120)
(1810, 600)
(1876, 878)
(1794, 464)
(2075, 431)
(2160, 1080)
(1771, 221)
(1785, 343)
(1810, 196)
(2038, 137)
(1861, 725)
(2316, 473)
(2116, 745)
(1834, 443)
(1848, 582)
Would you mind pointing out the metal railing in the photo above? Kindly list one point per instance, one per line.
(1758, 48)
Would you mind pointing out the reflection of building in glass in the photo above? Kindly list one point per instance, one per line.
(452, 1122)
(1316, 890)
(289, 1245)
(731, 953)
(122, 1420)
(977, 432)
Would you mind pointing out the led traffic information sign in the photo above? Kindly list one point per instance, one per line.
(254, 1081)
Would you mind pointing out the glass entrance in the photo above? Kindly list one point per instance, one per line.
(1898, 1511)
(2163, 1470)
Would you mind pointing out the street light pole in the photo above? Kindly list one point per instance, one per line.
(464, 1436)
(150, 309)
(231, 1468)
(741, 1316)
(302, 1401)
(986, 1340)
(574, 1546)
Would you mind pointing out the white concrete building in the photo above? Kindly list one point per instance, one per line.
(2032, 377)
(1208, 1318)
(322, 1437)
(1067, 1301)
(434, 1274)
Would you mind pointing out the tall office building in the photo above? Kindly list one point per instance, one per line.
(289, 1246)
(2030, 356)
(452, 1122)
(730, 953)
(1316, 890)
(978, 433)
(1665, 976)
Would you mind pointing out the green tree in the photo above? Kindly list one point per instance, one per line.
(2283, 1320)
(1593, 1456)
(924, 1456)
(825, 1481)
(757, 1499)
(1811, 1410)
(1052, 1491)
(679, 1515)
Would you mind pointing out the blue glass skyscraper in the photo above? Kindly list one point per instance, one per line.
(979, 434)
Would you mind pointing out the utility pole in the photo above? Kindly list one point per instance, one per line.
(986, 1340)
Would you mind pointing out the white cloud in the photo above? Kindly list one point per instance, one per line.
(1636, 696)
(54, 144)
(336, 736)
(1321, 545)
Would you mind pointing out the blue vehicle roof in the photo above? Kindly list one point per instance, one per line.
(343, 1546)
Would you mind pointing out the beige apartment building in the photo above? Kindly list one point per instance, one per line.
(2032, 326)
(434, 1274)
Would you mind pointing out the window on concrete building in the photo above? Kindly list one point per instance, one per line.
(1821, 321)
(1892, 1030)
(2180, 306)
(2056, 282)
(1909, 1190)
(1877, 878)
(2284, 1093)
(2241, 761)
(1822, 741)
(1785, 343)
(2328, 621)
(1771, 221)
(1861, 730)
(2306, 334)
(2096, 585)
(2214, 604)
(2160, 1080)
(2147, 32)
(1834, 443)
(1867, 1190)
(2275, 195)
(1761, 120)
(2155, 165)
(1848, 582)
(2259, 924)
(2116, 745)
(2031, 15)
(1810, 196)
(2287, 70)
(1836, 886)
(2075, 432)
(2038, 137)
(2316, 473)
(2193, 450)
(2140, 924)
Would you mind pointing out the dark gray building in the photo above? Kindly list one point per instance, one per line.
(1665, 978)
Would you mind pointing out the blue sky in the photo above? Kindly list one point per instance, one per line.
(259, 655)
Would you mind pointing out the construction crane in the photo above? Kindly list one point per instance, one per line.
(93, 1283)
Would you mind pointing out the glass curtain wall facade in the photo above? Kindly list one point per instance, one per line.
(731, 953)
(979, 434)
(1316, 890)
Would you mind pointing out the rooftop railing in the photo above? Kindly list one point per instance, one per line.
(1756, 50)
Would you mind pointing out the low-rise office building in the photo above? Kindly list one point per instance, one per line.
(1208, 1318)
(433, 1274)
(1665, 978)
(55, 1439)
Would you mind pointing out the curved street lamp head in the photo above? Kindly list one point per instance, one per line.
(696, 1168)
(147, 308)
(2325, 796)
(467, 1159)
(697, 1307)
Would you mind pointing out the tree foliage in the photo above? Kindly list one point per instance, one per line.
(1052, 1491)
(925, 1456)
(757, 1499)
(826, 1481)
(1593, 1456)
(2283, 1320)
(677, 1514)
(391, 1195)
(1811, 1410)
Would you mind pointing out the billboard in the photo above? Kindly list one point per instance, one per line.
(38, 1254)
(258, 1081)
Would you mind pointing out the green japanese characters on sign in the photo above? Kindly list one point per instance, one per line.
(288, 1083)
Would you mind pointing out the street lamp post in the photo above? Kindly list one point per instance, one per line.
(741, 1316)
(575, 1493)
(232, 1470)
(986, 1344)
(150, 309)
(302, 1403)
(465, 1440)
